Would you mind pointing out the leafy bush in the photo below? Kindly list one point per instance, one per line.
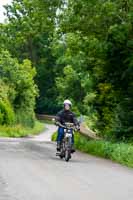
(18, 91)
(26, 118)
(6, 113)
(54, 136)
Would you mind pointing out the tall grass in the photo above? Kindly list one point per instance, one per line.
(21, 131)
(118, 152)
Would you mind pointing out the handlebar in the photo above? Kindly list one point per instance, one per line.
(67, 125)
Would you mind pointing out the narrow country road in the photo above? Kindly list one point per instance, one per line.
(29, 170)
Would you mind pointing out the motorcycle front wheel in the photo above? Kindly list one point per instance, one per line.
(67, 155)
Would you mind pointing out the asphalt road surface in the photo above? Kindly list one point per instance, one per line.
(29, 170)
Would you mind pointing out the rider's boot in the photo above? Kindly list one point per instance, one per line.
(58, 146)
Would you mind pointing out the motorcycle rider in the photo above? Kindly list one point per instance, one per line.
(66, 115)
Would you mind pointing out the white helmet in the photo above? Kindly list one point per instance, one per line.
(68, 102)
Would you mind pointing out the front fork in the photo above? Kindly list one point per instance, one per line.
(68, 143)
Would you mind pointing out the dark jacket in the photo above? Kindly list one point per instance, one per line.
(66, 116)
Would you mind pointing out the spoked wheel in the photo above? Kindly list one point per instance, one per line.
(67, 155)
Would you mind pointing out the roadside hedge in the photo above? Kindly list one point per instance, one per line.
(118, 152)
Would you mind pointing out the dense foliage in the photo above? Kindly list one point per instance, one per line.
(82, 50)
(29, 35)
(96, 40)
(17, 91)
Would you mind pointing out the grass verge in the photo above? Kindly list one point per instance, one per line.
(20, 131)
(118, 152)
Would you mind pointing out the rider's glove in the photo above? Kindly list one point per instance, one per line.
(56, 123)
(78, 128)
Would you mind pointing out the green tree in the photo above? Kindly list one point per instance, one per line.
(18, 88)
(28, 35)
(98, 46)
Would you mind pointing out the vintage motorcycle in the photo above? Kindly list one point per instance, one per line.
(66, 144)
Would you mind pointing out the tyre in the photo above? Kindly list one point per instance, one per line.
(67, 155)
